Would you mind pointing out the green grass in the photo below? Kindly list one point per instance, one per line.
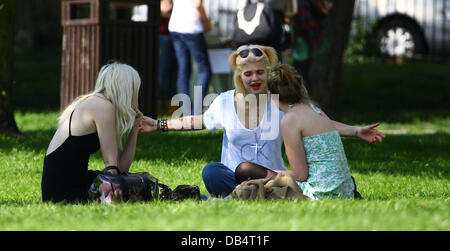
(404, 180)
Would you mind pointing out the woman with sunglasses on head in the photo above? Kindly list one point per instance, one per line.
(251, 146)
(102, 119)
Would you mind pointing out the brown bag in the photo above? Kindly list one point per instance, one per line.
(280, 187)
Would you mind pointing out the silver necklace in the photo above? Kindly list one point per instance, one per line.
(256, 145)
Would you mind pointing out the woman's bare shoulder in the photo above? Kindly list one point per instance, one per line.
(297, 113)
(97, 103)
(291, 119)
(97, 107)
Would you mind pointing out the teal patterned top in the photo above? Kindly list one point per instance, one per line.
(329, 175)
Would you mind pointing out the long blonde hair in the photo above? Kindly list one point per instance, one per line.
(236, 62)
(119, 83)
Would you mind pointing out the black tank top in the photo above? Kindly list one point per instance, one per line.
(65, 175)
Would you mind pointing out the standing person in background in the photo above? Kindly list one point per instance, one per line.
(259, 22)
(167, 77)
(307, 30)
(187, 26)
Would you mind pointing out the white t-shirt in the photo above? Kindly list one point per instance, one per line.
(261, 145)
(185, 17)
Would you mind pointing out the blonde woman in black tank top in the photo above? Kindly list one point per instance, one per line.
(102, 119)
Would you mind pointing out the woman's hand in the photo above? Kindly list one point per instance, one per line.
(148, 124)
(370, 134)
(111, 194)
(138, 118)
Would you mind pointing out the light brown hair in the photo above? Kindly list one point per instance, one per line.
(289, 84)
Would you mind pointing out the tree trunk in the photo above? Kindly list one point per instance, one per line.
(325, 68)
(7, 23)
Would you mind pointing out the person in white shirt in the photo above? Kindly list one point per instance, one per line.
(187, 25)
(251, 146)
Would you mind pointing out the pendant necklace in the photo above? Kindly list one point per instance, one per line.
(256, 145)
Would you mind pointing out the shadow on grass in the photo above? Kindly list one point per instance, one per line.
(169, 147)
(177, 147)
(403, 155)
(408, 155)
(387, 87)
(403, 116)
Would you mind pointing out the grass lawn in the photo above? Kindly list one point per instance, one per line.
(405, 181)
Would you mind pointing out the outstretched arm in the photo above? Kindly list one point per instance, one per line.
(366, 133)
(186, 123)
(370, 134)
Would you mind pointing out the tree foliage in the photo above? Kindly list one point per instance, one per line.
(7, 23)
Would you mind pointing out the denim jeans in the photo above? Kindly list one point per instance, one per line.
(186, 45)
(219, 180)
(167, 77)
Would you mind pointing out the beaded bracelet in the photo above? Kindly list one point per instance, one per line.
(162, 125)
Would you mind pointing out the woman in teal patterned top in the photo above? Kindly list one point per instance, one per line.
(313, 145)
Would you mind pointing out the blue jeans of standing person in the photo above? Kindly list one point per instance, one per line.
(185, 45)
(219, 180)
(167, 78)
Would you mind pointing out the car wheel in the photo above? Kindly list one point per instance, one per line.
(400, 37)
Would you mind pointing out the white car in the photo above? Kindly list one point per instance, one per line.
(408, 28)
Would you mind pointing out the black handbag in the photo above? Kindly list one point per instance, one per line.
(139, 187)
(134, 186)
(258, 23)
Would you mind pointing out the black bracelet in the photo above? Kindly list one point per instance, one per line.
(105, 171)
(162, 125)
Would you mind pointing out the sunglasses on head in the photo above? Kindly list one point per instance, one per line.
(244, 53)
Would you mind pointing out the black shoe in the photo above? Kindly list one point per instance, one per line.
(356, 195)
(181, 192)
(186, 192)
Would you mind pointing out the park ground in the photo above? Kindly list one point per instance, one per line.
(405, 180)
